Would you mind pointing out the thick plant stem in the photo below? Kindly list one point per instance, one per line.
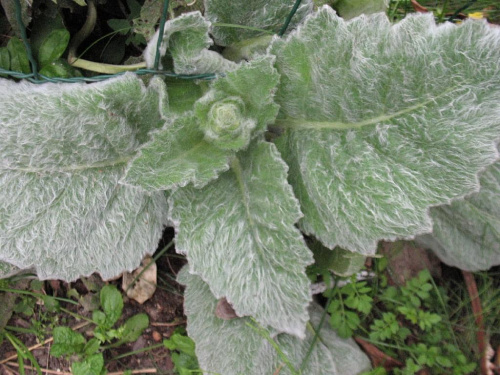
(470, 282)
(81, 35)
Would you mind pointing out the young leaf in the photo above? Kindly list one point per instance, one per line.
(92, 365)
(238, 233)
(466, 234)
(133, 327)
(246, 348)
(263, 14)
(61, 158)
(186, 38)
(239, 106)
(66, 342)
(196, 148)
(53, 46)
(111, 303)
(374, 133)
(91, 347)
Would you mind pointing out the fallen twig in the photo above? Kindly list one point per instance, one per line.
(169, 324)
(143, 371)
(58, 372)
(378, 357)
(45, 370)
(470, 282)
(418, 8)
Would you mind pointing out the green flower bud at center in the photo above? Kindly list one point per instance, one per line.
(225, 124)
(224, 117)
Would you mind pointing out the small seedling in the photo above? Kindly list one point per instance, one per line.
(182, 353)
(89, 353)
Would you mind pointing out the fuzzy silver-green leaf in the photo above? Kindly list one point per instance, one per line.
(466, 234)
(244, 348)
(383, 121)
(177, 155)
(7, 270)
(186, 38)
(269, 15)
(240, 105)
(63, 149)
(238, 234)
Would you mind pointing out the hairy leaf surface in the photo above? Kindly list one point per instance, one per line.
(381, 122)
(177, 155)
(63, 149)
(196, 147)
(186, 38)
(466, 234)
(245, 350)
(240, 105)
(263, 14)
(7, 270)
(238, 233)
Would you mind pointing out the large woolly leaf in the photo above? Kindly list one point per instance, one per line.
(466, 234)
(238, 233)
(63, 149)
(381, 122)
(186, 38)
(196, 147)
(269, 15)
(244, 348)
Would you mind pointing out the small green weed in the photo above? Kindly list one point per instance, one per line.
(182, 353)
(51, 63)
(89, 354)
(408, 323)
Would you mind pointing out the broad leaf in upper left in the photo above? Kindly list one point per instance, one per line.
(63, 149)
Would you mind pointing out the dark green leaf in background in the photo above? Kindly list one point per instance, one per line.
(60, 68)
(53, 47)
(4, 58)
(18, 57)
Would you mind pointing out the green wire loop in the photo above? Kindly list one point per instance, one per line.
(289, 18)
(24, 37)
(163, 20)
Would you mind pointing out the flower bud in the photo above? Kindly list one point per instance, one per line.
(225, 124)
